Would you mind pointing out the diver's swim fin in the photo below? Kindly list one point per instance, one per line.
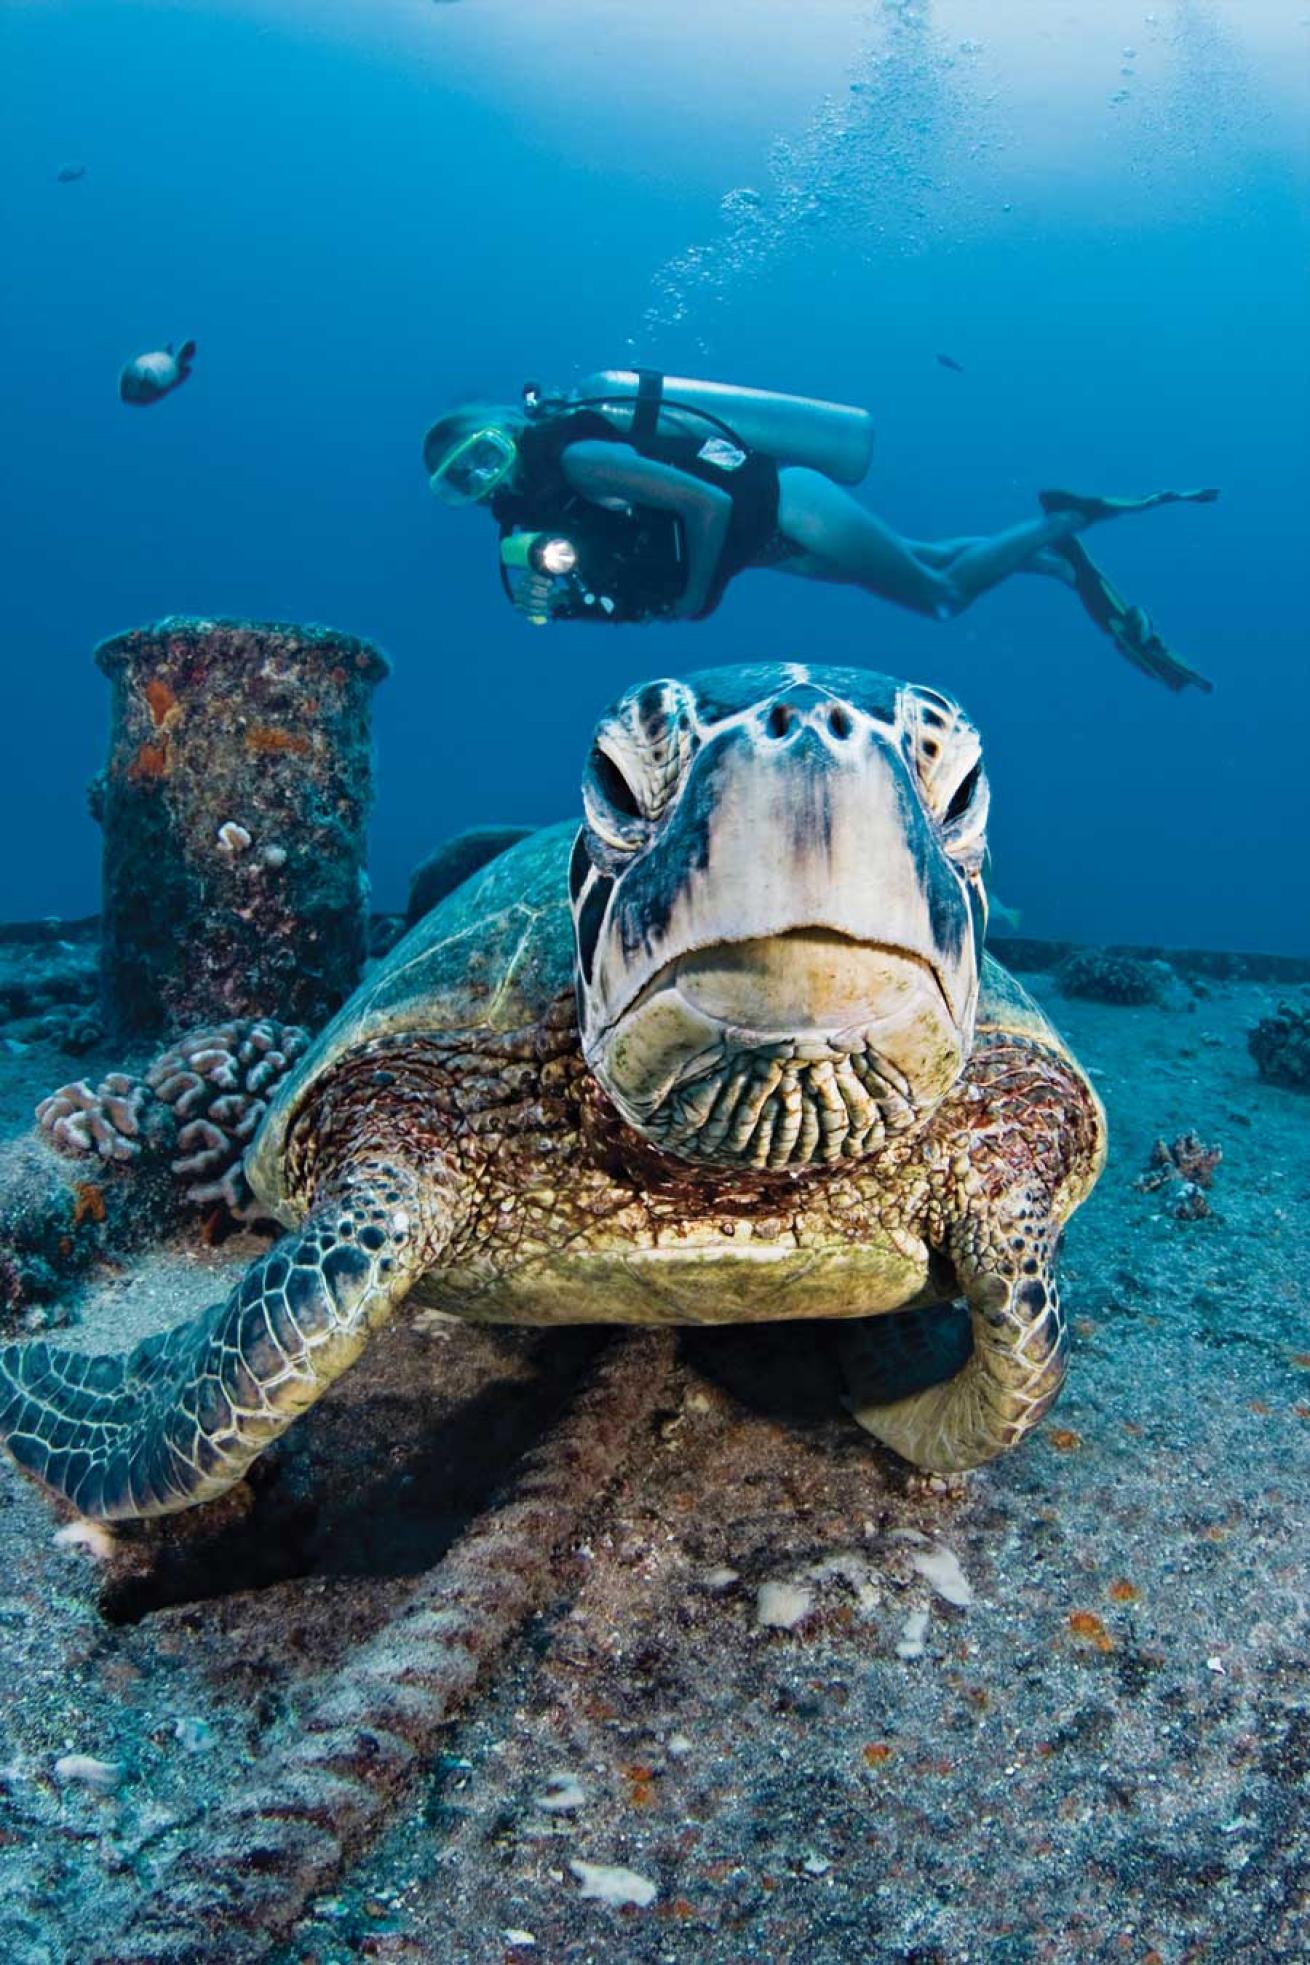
(1093, 508)
(1129, 628)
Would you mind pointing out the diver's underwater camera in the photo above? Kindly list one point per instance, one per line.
(540, 571)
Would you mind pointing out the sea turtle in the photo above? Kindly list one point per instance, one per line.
(731, 1051)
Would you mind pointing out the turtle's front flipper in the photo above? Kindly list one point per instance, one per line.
(1017, 1365)
(180, 1418)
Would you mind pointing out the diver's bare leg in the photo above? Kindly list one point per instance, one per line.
(941, 553)
(830, 526)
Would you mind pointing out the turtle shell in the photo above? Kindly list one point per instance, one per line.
(494, 955)
(1005, 1009)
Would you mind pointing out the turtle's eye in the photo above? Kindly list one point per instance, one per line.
(637, 766)
(964, 795)
(943, 749)
(616, 818)
(964, 820)
(941, 746)
(612, 783)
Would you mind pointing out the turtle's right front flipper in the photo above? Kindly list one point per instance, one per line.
(180, 1418)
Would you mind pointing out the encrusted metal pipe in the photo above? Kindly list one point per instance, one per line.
(233, 804)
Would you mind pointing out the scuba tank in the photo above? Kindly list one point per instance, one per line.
(834, 438)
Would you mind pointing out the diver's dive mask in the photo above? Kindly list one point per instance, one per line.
(475, 467)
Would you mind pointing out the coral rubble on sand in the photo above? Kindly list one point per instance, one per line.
(1106, 978)
(1187, 1169)
(49, 983)
(1280, 1045)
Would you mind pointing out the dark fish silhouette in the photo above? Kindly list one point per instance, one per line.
(148, 377)
(69, 173)
(949, 361)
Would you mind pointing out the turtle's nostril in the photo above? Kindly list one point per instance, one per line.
(787, 719)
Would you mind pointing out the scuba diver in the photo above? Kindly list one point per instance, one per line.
(639, 496)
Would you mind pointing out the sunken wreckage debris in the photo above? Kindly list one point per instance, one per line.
(57, 1221)
(330, 1781)
(233, 804)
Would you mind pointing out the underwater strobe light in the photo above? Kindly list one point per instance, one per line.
(557, 557)
(539, 570)
(546, 553)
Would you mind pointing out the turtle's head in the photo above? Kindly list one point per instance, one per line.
(779, 908)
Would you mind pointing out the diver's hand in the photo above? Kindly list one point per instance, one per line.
(536, 596)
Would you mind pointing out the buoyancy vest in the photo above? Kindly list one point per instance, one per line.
(632, 563)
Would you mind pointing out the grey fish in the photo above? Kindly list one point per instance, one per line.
(69, 173)
(949, 361)
(148, 377)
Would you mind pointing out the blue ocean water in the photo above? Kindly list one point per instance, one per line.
(364, 210)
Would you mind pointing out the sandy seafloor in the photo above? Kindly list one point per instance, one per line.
(1104, 1756)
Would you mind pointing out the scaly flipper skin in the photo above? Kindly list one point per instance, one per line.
(1031, 1148)
(1019, 1348)
(179, 1419)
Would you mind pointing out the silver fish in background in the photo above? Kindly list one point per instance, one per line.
(148, 377)
(70, 173)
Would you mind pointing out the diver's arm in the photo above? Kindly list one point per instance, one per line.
(605, 472)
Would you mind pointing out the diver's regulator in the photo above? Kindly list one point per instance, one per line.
(542, 576)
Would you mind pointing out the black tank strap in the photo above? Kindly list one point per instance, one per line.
(646, 408)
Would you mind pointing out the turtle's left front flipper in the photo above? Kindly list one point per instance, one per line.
(1024, 1144)
(1014, 1373)
(179, 1419)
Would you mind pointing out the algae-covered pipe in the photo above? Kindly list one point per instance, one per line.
(234, 802)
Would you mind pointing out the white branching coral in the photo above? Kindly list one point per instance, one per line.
(106, 1120)
(202, 1099)
(217, 1083)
